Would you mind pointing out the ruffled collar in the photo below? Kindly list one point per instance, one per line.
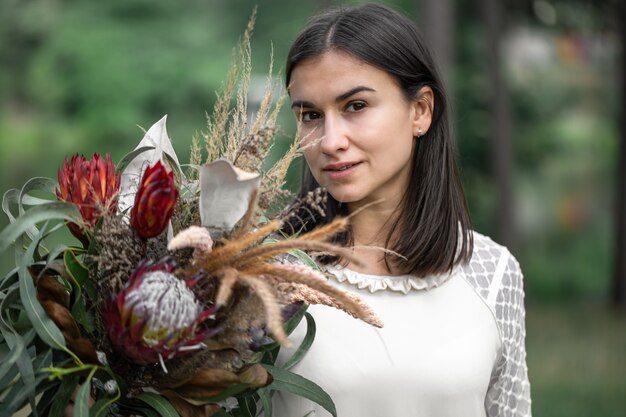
(398, 283)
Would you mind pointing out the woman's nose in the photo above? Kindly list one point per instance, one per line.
(334, 137)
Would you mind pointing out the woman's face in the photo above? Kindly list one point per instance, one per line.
(357, 127)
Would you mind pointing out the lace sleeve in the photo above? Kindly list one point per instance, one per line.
(496, 277)
(509, 388)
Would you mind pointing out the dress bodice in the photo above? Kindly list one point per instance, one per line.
(451, 345)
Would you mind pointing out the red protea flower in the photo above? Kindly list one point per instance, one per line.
(154, 202)
(92, 185)
(156, 316)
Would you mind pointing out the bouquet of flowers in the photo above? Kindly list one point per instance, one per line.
(181, 290)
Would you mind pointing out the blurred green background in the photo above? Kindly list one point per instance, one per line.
(541, 76)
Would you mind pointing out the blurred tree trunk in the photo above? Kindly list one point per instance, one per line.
(500, 112)
(437, 24)
(619, 279)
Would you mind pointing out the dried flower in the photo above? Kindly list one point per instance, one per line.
(154, 202)
(91, 185)
(156, 316)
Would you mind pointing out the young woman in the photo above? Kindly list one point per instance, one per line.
(373, 118)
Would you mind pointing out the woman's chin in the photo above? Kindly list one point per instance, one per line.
(344, 196)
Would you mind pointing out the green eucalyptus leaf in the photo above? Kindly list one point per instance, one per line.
(43, 360)
(247, 406)
(43, 325)
(81, 403)
(306, 344)
(63, 395)
(147, 412)
(50, 211)
(46, 399)
(289, 326)
(17, 396)
(266, 401)
(128, 158)
(10, 197)
(78, 271)
(295, 384)
(56, 252)
(32, 386)
(100, 407)
(27, 375)
(10, 279)
(305, 257)
(37, 183)
(16, 345)
(156, 137)
(294, 320)
(8, 377)
(158, 403)
(29, 200)
(79, 277)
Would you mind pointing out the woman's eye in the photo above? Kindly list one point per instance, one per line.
(307, 116)
(356, 106)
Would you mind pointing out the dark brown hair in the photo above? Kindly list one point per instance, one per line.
(432, 222)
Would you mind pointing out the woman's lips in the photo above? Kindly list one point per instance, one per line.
(340, 171)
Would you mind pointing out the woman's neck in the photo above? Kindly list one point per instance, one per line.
(371, 230)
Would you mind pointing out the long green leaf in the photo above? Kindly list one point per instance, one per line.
(56, 252)
(99, 407)
(26, 367)
(305, 345)
(266, 401)
(305, 257)
(79, 274)
(27, 374)
(293, 322)
(247, 406)
(29, 200)
(10, 197)
(81, 403)
(8, 377)
(158, 403)
(27, 370)
(46, 400)
(13, 339)
(64, 393)
(10, 278)
(147, 412)
(288, 381)
(17, 396)
(50, 211)
(289, 326)
(37, 183)
(43, 325)
(128, 158)
(40, 184)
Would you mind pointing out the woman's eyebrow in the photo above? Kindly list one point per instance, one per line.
(339, 98)
(353, 91)
(302, 104)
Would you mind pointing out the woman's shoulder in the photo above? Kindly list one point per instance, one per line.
(492, 269)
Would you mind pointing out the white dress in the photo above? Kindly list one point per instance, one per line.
(452, 345)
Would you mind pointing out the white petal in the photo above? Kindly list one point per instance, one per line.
(155, 137)
(224, 195)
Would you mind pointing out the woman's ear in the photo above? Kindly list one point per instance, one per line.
(423, 104)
